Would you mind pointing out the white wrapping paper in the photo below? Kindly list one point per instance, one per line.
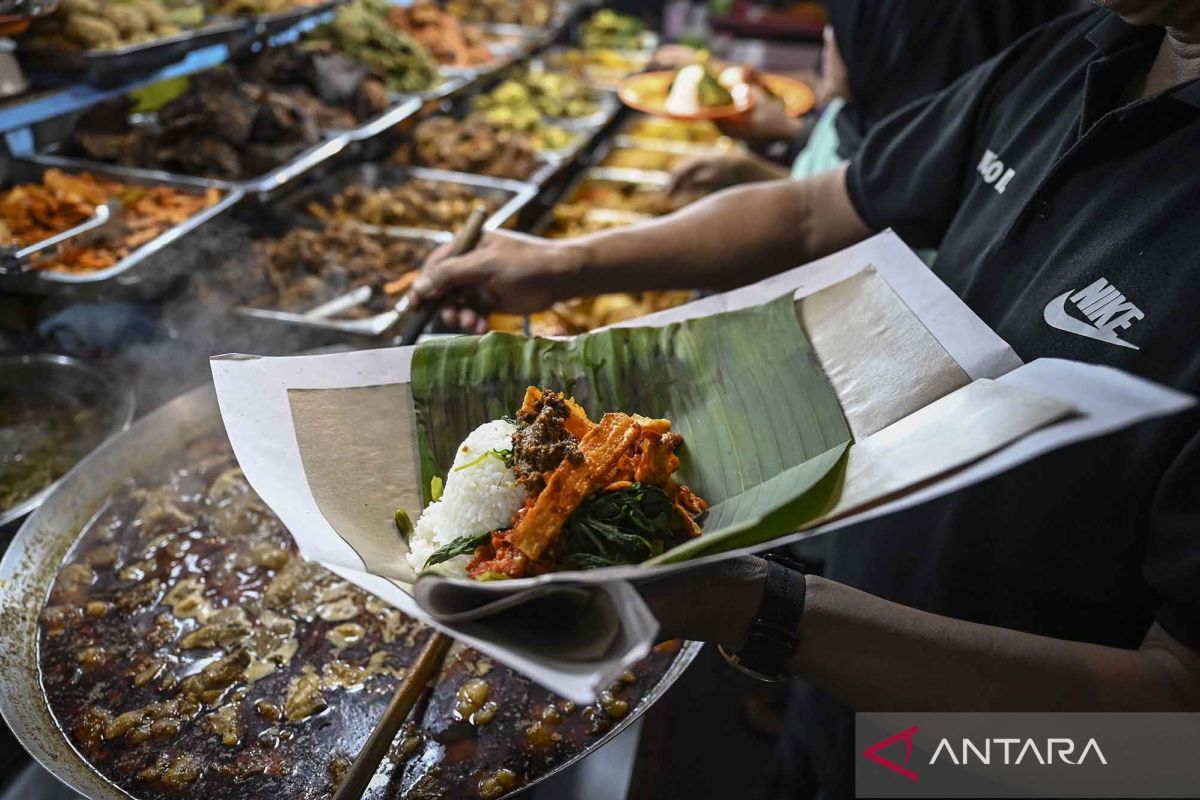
(934, 398)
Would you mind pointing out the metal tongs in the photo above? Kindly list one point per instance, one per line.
(107, 217)
(414, 321)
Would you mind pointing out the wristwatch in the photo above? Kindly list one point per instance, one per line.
(774, 633)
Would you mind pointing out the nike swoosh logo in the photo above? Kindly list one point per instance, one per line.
(1056, 316)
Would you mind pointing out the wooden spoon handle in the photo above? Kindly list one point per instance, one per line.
(367, 763)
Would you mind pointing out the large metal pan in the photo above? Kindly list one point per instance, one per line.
(76, 383)
(31, 563)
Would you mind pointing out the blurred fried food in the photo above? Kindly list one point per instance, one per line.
(308, 266)
(101, 25)
(445, 37)
(527, 103)
(472, 145)
(32, 212)
(531, 13)
(419, 203)
(361, 30)
(225, 127)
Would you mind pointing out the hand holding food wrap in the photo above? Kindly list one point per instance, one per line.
(843, 389)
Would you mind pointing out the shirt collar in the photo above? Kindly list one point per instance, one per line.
(1112, 33)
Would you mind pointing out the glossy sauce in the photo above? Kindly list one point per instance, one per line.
(187, 651)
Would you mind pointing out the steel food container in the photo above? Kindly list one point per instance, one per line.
(117, 65)
(75, 381)
(134, 268)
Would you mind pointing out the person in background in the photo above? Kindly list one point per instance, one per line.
(1060, 182)
(879, 56)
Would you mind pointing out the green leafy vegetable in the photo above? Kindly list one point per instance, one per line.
(504, 456)
(461, 546)
(764, 436)
(626, 526)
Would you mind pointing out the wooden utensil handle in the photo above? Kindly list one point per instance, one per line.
(380, 740)
(464, 242)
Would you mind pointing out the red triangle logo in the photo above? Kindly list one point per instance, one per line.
(906, 735)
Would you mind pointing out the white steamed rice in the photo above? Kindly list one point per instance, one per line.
(476, 499)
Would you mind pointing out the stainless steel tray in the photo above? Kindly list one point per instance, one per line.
(261, 186)
(127, 271)
(643, 178)
(279, 21)
(116, 66)
(325, 316)
(29, 567)
(514, 195)
(73, 380)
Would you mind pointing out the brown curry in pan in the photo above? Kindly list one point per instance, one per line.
(186, 650)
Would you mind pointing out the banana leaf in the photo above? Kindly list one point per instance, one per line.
(764, 434)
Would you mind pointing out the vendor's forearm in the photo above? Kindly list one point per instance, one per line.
(732, 238)
(877, 655)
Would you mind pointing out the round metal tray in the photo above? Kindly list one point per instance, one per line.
(31, 564)
(70, 379)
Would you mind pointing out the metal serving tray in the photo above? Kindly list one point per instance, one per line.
(130, 270)
(514, 195)
(556, 58)
(521, 40)
(279, 21)
(327, 316)
(640, 178)
(116, 66)
(674, 152)
(260, 186)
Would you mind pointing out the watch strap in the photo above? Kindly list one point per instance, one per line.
(774, 634)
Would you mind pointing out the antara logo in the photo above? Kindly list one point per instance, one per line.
(1006, 751)
(905, 736)
(1062, 749)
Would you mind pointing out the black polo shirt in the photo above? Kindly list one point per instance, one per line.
(1071, 225)
(896, 51)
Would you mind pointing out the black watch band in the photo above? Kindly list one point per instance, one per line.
(774, 635)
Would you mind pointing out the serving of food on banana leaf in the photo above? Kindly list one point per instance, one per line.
(553, 490)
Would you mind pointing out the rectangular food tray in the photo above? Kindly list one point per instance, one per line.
(514, 195)
(126, 271)
(260, 186)
(279, 21)
(326, 316)
(119, 65)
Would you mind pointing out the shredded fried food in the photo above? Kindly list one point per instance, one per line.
(570, 483)
(32, 212)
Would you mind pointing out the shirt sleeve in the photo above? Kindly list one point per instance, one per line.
(911, 171)
(915, 166)
(1172, 566)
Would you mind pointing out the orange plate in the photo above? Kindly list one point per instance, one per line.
(647, 92)
(797, 96)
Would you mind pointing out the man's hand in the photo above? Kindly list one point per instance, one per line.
(706, 173)
(713, 603)
(767, 121)
(507, 272)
